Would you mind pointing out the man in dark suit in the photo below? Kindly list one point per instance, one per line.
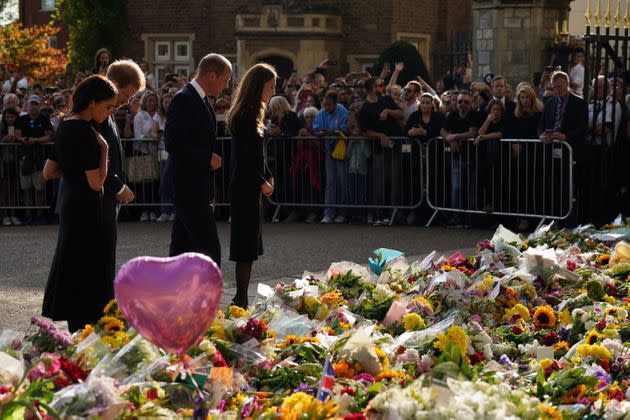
(190, 134)
(129, 79)
(564, 115)
(564, 119)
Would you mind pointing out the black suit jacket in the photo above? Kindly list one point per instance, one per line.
(116, 169)
(190, 136)
(573, 121)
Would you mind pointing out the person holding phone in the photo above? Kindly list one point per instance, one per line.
(250, 176)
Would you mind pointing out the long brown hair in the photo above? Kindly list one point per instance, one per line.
(248, 97)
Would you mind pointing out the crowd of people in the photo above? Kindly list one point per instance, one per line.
(331, 182)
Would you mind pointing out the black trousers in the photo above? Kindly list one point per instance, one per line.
(110, 234)
(195, 230)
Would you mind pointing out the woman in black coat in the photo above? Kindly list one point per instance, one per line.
(78, 287)
(249, 177)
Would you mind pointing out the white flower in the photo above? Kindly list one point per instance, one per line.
(381, 293)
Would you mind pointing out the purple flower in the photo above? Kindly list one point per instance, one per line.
(302, 388)
(485, 244)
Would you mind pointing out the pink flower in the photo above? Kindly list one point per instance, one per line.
(48, 366)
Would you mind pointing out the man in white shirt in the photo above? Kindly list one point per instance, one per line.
(606, 118)
(577, 71)
(410, 96)
(18, 75)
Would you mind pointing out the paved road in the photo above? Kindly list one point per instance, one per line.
(26, 254)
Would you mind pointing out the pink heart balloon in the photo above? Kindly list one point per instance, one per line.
(170, 301)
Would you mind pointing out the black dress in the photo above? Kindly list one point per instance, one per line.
(77, 288)
(248, 174)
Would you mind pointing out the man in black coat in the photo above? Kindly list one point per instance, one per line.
(129, 79)
(190, 134)
(564, 119)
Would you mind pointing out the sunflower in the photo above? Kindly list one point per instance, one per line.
(390, 374)
(573, 394)
(518, 309)
(593, 337)
(113, 327)
(603, 259)
(544, 317)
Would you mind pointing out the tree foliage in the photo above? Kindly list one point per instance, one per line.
(28, 48)
(403, 51)
(92, 25)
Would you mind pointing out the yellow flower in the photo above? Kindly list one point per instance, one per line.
(218, 331)
(561, 346)
(237, 312)
(544, 317)
(573, 394)
(89, 329)
(220, 314)
(592, 337)
(547, 412)
(517, 309)
(301, 405)
(113, 327)
(413, 322)
(423, 302)
(546, 363)
(457, 336)
(609, 299)
(110, 341)
(107, 319)
(564, 317)
(447, 267)
(603, 259)
(390, 374)
(343, 369)
(332, 299)
(111, 307)
(595, 351)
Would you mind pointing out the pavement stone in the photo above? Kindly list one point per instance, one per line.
(26, 253)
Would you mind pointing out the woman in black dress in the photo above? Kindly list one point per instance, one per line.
(77, 288)
(249, 175)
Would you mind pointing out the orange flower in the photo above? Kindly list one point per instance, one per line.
(342, 369)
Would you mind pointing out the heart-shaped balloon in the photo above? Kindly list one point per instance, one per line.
(170, 301)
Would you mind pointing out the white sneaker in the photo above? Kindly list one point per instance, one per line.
(16, 221)
(341, 219)
(152, 217)
(327, 220)
(6, 221)
(171, 218)
(144, 217)
(163, 218)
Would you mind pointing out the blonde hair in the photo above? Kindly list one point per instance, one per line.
(248, 98)
(145, 98)
(279, 105)
(536, 104)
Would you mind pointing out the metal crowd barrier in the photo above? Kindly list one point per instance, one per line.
(148, 178)
(370, 178)
(511, 177)
(22, 185)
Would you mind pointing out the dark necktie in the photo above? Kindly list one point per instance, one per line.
(561, 105)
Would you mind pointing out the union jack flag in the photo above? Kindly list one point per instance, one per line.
(328, 381)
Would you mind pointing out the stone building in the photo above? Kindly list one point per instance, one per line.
(294, 34)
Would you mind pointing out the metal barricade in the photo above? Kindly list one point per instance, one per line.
(370, 178)
(147, 175)
(22, 185)
(510, 177)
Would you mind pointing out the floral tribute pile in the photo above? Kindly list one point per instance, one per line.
(526, 328)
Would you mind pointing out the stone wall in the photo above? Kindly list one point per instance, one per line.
(513, 38)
